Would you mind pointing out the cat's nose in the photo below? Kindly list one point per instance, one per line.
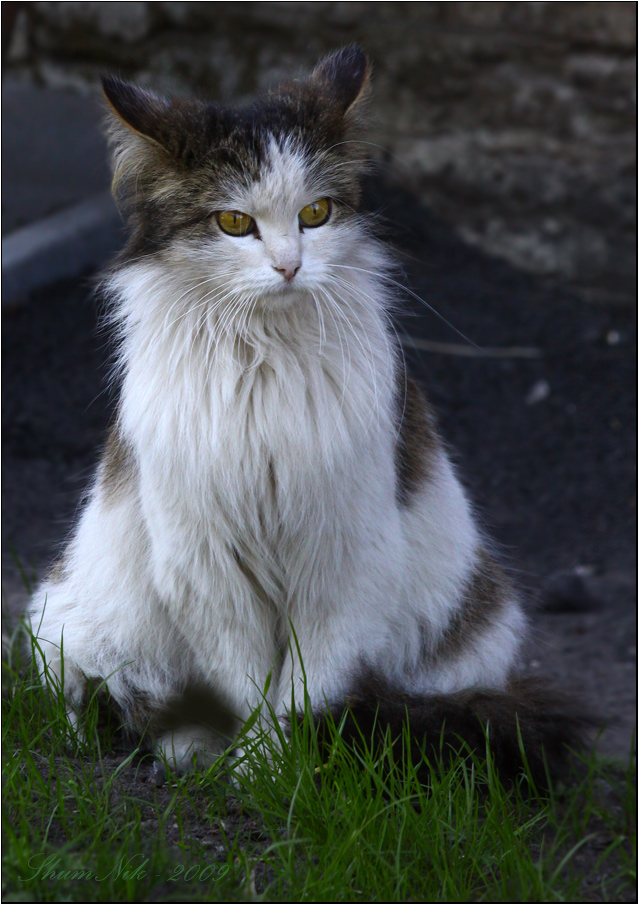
(288, 272)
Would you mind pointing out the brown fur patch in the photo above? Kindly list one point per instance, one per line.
(528, 711)
(485, 595)
(118, 465)
(59, 570)
(196, 704)
(173, 159)
(417, 440)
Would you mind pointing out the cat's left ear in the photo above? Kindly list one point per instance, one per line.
(344, 75)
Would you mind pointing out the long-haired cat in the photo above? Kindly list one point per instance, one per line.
(271, 471)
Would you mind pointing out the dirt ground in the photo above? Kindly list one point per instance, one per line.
(546, 445)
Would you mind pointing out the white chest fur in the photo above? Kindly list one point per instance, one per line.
(250, 442)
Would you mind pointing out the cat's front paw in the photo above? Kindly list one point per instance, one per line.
(187, 749)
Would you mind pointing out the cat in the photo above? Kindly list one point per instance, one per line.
(271, 472)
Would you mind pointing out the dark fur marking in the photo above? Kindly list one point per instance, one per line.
(484, 596)
(118, 465)
(441, 725)
(144, 719)
(198, 148)
(199, 705)
(417, 439)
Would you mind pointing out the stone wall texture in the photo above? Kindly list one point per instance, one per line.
(515, 122)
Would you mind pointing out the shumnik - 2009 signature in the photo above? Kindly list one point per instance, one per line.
(126, 869)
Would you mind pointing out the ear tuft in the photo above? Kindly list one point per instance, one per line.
(344, 73)
(138, 109)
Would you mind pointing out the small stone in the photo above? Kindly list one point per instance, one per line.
(540, 391)
(568, 592)
(158, 774)
(584, 570)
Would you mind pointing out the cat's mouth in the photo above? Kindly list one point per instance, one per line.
(285, 291)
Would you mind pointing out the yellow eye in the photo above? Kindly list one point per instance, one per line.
(316, 213)
(235, 223)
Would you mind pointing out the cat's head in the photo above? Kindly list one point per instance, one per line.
(261, 199)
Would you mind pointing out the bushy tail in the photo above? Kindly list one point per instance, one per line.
(528, 721)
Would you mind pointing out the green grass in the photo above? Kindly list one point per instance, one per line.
(292, 824)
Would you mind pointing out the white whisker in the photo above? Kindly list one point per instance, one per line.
(388, 279)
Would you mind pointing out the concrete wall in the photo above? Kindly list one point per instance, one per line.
(515, 122)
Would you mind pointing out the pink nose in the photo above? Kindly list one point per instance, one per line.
(287, 272)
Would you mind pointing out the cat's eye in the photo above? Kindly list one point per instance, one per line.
(316, 213)
(235, 223)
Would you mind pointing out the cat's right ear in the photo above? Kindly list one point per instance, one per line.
(141, 111)
(344, 75)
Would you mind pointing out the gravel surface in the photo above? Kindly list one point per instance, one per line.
(545, 445)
